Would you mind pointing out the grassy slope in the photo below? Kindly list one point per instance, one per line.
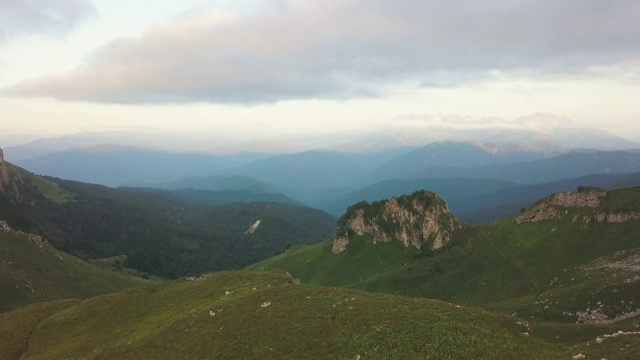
(533, 269)
(30, 273)
(49, 189)
(173, 321)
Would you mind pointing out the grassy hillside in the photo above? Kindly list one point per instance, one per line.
(547, 270)
(249, 315)
(31, 271)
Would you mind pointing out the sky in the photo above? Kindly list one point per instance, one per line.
(312, 66)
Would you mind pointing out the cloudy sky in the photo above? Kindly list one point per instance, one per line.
(313, 65)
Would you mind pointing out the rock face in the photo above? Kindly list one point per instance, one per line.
(421, 220)
(253, 228)
(14, 186)
(551, 207)
(4, 173)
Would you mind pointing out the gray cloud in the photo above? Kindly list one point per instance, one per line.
(26, 17)
(349, 48)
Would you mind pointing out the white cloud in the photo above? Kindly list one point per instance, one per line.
(28, 17)
(350, 49)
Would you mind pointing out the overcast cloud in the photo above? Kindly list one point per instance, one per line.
(28, 17)
(339, 49)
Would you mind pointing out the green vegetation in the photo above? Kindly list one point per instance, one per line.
(159, 235)
(543, 271)
(32, 272)
(249, 315)
(511, 290)
(48, 188)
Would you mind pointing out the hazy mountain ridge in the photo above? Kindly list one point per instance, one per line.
(458, 154)
(413, 148)
(560, 167)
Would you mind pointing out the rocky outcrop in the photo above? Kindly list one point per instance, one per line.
(618, 218)
(37, 239)
(4, 173)
(552, 206)
(421, 219)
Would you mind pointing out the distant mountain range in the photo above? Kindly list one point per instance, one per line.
(465, 158)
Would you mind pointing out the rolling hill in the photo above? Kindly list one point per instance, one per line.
(249, 315)
(31, 270)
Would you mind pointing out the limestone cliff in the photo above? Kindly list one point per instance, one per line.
(4, 173)
(421, 220)
(551, 207)
(584, 206)
(11, 182)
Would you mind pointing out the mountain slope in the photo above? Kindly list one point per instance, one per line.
(158, 234)
(224, 197)
(31, 270)
(305, 176)
(221, 190)
(245, 315)
(552, 270)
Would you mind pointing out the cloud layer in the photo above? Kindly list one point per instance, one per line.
(27, 17)
(349, 48)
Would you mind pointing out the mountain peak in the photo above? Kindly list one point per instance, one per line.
(419, 219)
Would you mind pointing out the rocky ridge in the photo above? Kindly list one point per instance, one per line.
(4, 173)
(421, 220)
(11, 183)
(557, 205)
(37, 239)
(551, 207)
